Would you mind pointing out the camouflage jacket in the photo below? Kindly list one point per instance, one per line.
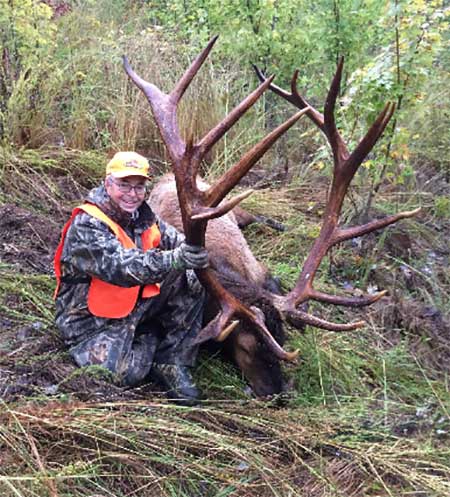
(92, 250)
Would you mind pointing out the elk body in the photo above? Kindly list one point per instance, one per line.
(199, 206)
(240, 273)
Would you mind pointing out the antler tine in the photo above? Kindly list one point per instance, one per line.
(223, 208)
(361, 301)
(276, 89)
(330, 101)
(164, 112)
(189, 75)
(217, 192)
(294, 97)
(298, 319)
(258, 319)
(297, 98)
(220, 129)
(356, 231)
(337, 144)
(371, 137)
(137, 80)
(300, 101)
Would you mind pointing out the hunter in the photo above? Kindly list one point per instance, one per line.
(127, 297)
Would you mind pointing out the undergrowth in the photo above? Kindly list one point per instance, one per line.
(366, 413)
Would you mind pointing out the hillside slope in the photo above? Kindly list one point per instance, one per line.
(367, 414)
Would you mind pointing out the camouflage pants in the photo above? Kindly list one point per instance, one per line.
(161, 329)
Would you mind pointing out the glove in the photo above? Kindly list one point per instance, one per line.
(189, 257)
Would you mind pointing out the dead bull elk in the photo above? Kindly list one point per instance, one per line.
(240, 273)
(199, 206)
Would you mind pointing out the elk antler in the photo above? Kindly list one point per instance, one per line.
(345, 166)
(197, 206)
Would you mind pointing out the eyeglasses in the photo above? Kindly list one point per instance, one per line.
(139, 189)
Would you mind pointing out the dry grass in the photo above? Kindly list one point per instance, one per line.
(145, 448)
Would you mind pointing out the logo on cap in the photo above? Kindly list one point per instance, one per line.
(132, 163)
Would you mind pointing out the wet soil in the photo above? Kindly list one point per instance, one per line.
(27, 239)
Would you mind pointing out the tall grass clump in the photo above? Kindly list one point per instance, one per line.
(49, 181)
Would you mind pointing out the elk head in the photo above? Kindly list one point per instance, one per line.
(199, 206)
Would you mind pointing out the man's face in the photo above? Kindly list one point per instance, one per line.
(128, 193)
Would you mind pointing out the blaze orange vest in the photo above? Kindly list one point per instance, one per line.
(106, 300)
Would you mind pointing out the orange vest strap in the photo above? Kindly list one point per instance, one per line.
(94, 211)
(59, 249)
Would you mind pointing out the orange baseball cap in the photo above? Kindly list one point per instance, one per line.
(128, 164)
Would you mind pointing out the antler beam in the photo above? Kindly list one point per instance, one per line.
(346, 165)
(197, 206)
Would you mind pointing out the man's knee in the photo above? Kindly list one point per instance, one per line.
(102, 350)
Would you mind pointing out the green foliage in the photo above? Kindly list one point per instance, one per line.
(333, 369)
(77, 95)
(94, 371)
(221, 380)
(26, 37)
(32, 291)
(400, 71)
(442, 207)
(278, 35)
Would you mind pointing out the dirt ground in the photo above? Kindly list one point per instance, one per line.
(27, 239)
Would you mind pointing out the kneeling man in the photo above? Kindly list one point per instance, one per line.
(127, 297)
